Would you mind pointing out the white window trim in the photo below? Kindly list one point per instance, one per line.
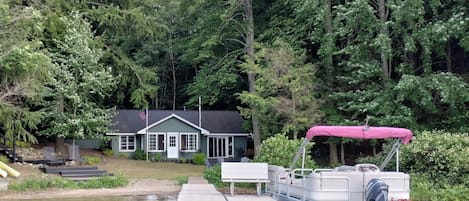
(127, 150)
(196, 144)
(164, 146)
(226, 142)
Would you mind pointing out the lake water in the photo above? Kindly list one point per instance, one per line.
(115, 198)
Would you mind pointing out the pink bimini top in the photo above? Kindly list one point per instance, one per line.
(362, 132)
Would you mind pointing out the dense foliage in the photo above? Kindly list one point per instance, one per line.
(199, 158)
(64, 65)
(437, 158)
(422, 189)
(279, 150)
(213, 175)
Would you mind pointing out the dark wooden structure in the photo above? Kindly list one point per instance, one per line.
(9, 152)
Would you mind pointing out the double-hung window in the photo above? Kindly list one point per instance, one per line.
(189, 141)
(156, 142)
(127, 143)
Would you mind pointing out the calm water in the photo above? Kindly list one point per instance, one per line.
(115, 198)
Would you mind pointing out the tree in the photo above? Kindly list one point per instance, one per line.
(74, 100)
(23, 70)
(133, 33)
(285, 89)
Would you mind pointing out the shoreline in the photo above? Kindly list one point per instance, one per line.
(135, 187)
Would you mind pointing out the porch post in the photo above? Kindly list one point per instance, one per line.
(146, 134)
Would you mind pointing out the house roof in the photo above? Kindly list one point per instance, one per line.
(132, 121)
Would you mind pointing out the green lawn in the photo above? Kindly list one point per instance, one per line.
(137, 169)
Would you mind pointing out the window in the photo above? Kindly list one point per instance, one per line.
(127, 143)
(220, 147)
(189, 142)
(156, 142)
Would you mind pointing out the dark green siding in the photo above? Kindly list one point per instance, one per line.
(173, 125)
(240, 143)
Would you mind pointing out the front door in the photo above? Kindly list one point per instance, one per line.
(173, 148)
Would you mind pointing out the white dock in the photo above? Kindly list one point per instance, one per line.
(197, 189)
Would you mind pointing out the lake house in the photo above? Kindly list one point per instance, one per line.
(179, 134)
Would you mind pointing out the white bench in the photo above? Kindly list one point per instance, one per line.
(234, 172)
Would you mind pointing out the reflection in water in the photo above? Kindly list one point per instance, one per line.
(115, 198)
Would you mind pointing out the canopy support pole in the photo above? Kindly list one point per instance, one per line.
(395, 149)
(298, 153)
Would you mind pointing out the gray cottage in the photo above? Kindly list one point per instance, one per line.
(179, 134)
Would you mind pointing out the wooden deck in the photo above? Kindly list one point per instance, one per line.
(197, 189)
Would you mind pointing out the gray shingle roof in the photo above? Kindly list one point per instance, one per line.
(131, 121)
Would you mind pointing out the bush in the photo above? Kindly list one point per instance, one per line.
(182, 180)
(139, 154)
(159, 157)
(182, 159)
(91, 160)
(279, 150)
(438, 156)
(199, 158)
(441, 157)
(424, 190)
(108, 152)
(213, 176)
(4, 159)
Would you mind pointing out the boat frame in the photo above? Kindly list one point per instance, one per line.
(343, 183)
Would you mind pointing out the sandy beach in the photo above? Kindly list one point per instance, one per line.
(135, 187)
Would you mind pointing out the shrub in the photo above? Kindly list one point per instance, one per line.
(441, 157)
(139, 154)
(182, 159)
(159, 157)
(199, 158)
(424, 190)
(279, 150)
(91, 160)
(213, 176)
(4, 159)
(182, 180)
(108, 152)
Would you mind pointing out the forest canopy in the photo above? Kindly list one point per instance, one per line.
(65, 66)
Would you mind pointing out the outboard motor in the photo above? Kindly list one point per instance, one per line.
(376, 190)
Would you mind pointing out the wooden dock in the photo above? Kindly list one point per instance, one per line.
(197, 189)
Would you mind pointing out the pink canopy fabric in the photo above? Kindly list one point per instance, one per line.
(363, 132)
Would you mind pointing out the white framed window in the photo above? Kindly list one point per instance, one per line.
(189, 142)
(156, 142)
(220, 147)
(126, 143)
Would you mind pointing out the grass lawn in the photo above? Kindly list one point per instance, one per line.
(137, 169)
(130, 168)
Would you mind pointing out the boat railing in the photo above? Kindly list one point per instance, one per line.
(322, 170)
(299, 186)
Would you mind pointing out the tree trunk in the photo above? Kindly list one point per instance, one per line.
(173, 68)
(330, 44)
(385, 61)
(60, 148)
(342, 153)
(333, 160)
(449, 63)
(251, 77)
